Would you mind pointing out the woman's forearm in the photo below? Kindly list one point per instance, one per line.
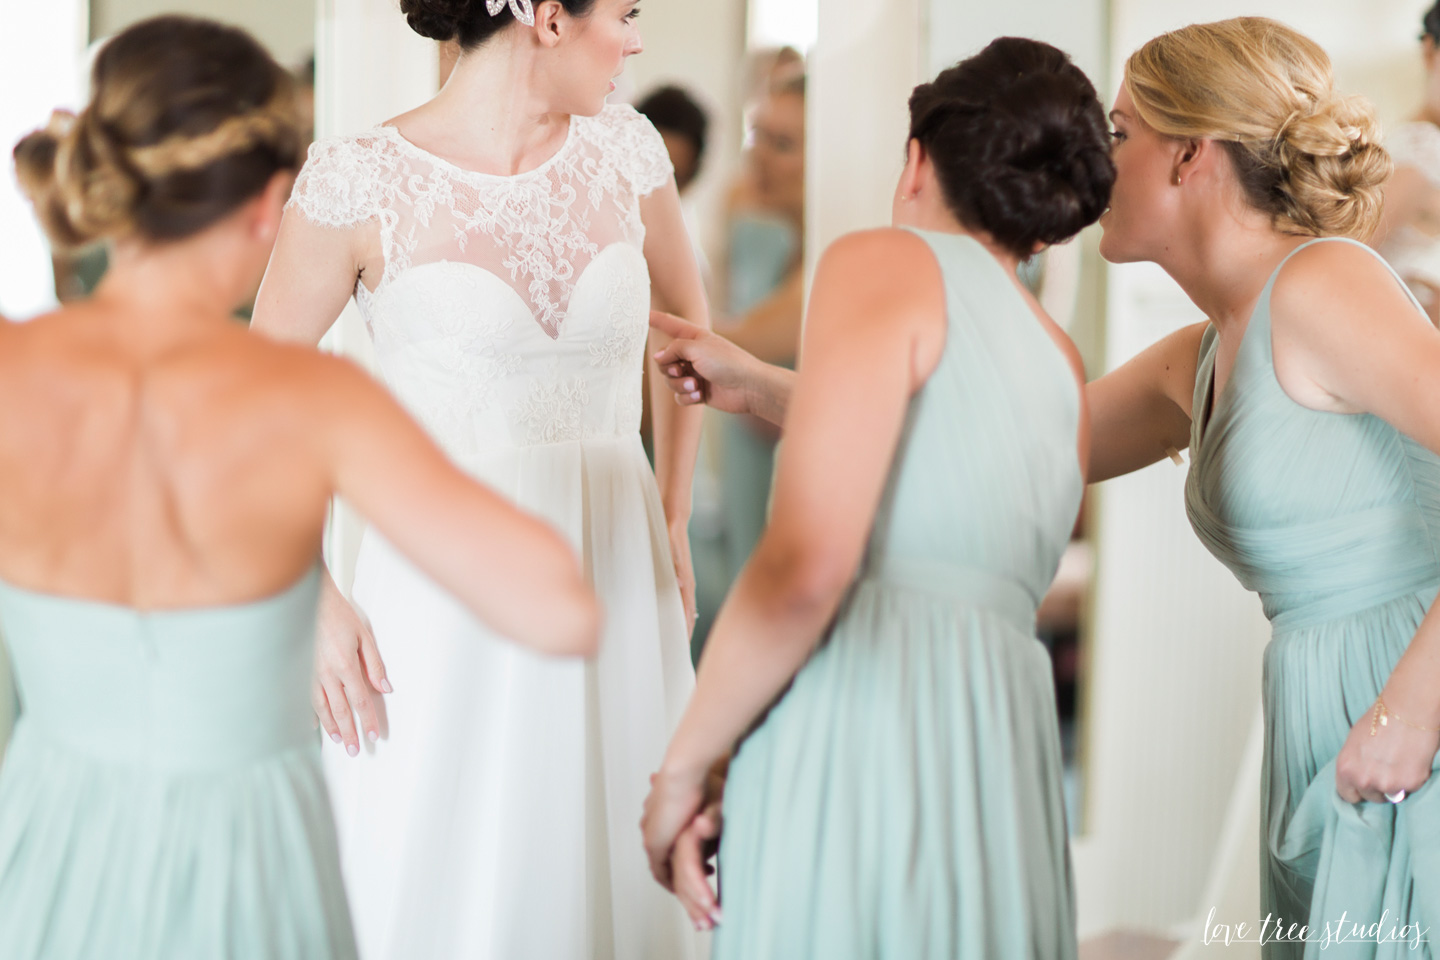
(767, 629)
(768, 393)
(675, 432)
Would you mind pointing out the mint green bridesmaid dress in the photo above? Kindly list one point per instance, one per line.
(902, 800)
(161, 798)
(1335, 521)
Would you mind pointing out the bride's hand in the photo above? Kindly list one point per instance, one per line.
(684, 570)
(348, 671)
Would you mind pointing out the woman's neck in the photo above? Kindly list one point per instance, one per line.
(491, 115)
(927, 217)
(1224, 264)
(164, 290)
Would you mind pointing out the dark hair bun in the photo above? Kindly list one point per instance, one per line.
(439, 19)
(469, 22)
(1019, 143)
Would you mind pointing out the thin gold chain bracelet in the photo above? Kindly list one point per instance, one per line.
(1382, 715)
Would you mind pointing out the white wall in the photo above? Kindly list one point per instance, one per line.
(867, 58)
(41, 68)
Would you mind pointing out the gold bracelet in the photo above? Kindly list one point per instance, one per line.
(1382, 715)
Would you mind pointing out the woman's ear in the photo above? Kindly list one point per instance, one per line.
(550, 22)
(269, 207)
(913, 176)
(1190, 156)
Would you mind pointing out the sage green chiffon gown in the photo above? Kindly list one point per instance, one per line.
(902, 801)
(1335, 521)
(161, 798)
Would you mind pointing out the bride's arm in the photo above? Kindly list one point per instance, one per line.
(676, 288)
(312, 273)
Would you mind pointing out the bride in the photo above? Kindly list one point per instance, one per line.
(505, 242)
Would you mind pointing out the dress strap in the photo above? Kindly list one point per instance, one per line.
(1263, 315)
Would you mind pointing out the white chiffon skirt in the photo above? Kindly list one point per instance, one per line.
(497, 818)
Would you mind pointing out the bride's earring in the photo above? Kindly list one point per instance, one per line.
(1177, 178)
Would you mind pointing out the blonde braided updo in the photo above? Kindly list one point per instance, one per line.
(1307, 156)
(187, 120)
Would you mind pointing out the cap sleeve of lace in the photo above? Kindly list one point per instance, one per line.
(337, 186)
(647, 162)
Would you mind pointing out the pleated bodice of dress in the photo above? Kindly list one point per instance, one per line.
(1334, 520)
(1322, 514)
(162, 795)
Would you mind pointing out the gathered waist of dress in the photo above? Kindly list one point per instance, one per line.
(1292, 614)
(169, 745)
(497, 459)
(971, 587)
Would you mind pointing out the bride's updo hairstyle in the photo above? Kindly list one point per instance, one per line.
(188, 119)
(468, 22)
(1019, 143)
(1305, 155)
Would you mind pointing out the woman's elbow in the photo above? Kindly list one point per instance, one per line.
(806, 580)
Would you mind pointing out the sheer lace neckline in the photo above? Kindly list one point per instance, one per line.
(393, 132)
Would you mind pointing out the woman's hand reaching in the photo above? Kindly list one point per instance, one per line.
(703, 367)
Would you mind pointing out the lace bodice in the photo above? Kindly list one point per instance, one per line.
(511, 310)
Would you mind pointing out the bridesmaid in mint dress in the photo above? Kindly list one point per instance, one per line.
(896, 788)
(161, 469)
(1310, 402)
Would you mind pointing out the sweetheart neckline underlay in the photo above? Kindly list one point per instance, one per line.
(371, 296)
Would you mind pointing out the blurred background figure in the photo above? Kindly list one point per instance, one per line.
(759, 303)
(1409, 231)
(684, 125)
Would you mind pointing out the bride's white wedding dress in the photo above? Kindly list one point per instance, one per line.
(498, 818)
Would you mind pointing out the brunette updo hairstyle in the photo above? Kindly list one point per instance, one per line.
(468, 22)
(1305, 155)
(1019, 143)
(188, 119)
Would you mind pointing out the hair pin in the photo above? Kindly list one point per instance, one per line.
(523, 9)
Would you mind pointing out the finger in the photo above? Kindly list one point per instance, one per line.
(1374, 795)
(357, 690)
(660, 866)
(691, 885)
(321, 706)
(340, 710)
(677, 353)
(671, 325)
(689, 399)
(374, 665)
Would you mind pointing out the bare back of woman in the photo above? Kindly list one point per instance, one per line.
(164, 482)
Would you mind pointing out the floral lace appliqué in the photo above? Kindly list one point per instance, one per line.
(555, 409)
